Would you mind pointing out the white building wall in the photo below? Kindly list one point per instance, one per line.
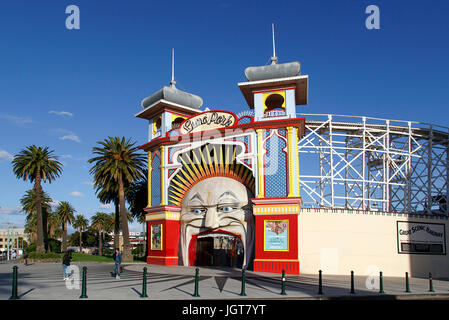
(337, 241)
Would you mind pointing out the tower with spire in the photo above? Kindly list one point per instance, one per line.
(274, 90)
(168, 107)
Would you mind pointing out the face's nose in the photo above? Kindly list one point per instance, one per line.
(211, 218)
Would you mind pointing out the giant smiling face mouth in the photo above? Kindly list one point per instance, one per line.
(216, 248)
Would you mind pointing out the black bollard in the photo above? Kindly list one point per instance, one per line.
(320, 282)
(14, 295)
(352, 282)
(144, 284)
(407, 284)
(283, 283)
(242, 293)
(196, 294)
(430, 283)
(84, 285)
(381, 283)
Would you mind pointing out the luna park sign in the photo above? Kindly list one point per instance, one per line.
(207, 121)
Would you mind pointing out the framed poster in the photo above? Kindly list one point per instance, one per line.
(275, 237)
(421, 238)
(156, 237)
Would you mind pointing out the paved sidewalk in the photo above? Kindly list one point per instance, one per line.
(43, 281)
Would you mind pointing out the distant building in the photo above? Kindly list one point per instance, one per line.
(15, 236)
(136, 239)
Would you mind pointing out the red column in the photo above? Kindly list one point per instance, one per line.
(163, 235)
(276, 235)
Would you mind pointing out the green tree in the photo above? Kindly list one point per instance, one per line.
(106, 194)
(28, 202)
(118, 161)
(101, 222)
(54, 225)
(65, 212)
(37, 164)
(137, 197)
(81, 224)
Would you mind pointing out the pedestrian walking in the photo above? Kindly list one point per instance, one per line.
(66, 264)
(25, 257)
(118, 261)
(14, 255)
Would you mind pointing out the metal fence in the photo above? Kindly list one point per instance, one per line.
(365, 163)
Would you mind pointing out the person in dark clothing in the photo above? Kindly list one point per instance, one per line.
(66, 263)
(118, 261)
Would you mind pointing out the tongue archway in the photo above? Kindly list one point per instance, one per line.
(216, 249)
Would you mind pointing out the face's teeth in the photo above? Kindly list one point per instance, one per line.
(216, 235)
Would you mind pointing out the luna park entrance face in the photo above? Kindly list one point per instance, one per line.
(219, 251)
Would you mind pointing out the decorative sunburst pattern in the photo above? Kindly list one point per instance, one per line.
(207, 161)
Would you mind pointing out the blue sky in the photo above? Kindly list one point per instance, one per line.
(68, 89)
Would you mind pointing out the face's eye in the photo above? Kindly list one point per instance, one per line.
(198, 210)
(226, 209)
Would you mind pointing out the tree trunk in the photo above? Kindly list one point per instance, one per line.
(117, 226)
(81, 241)
(40, 225)
(100, 244)
(46, 228)
(127, 255)
(64, 237)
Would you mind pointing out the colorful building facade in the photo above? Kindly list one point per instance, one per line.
(223, 189)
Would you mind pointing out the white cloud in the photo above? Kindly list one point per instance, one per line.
(105, 206)
(19, 121)
(67, 135)
(61, 113)
(76, 194)
(5, 155)
(72, 137)
(66, 156)
(54, 203)
(11, 211)
(88, 183)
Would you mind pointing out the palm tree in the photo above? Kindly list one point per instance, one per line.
(36, 164)
(101, 222)
(107, 194)
(118, 161)
(28, 202)
(30, 227)
(65, 213)
(53, 225)
(81, 224)
(137, 197)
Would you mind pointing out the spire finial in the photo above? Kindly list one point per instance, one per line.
(274, 59)
(172, 81)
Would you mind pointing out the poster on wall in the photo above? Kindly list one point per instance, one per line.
(421, 238)
(156, 237)
(276, 235)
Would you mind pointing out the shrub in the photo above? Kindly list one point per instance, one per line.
(31, 247)
(48, 255)
(54, 245)
(138, 250)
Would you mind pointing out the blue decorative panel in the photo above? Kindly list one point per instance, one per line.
(171, 152)
(244, 119)
(275, 171)
(156, 181)
(283, 132)
(246, 140)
